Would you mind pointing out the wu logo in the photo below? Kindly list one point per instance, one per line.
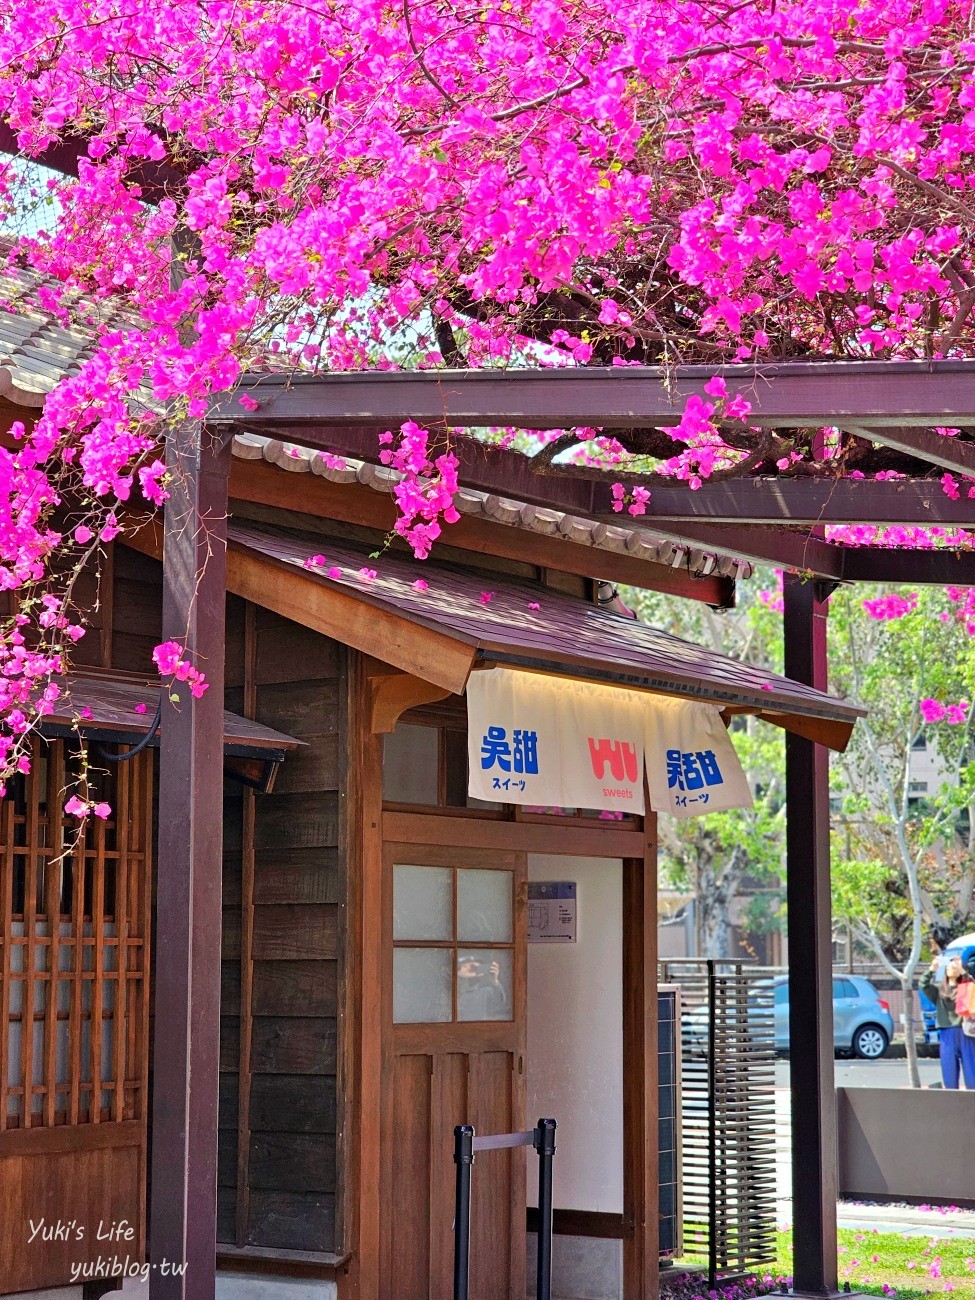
(618, 755)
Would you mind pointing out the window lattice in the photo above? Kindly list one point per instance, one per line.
(74, 945)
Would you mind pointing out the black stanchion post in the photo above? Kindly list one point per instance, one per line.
(545, 1146)
(463, 1158)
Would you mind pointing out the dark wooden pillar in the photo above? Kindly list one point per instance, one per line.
(641, 1171)
(186, 1053)
(814, 1182)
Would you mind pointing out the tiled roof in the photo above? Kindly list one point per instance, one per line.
(638, 542)
(37, 351)
(525, 624)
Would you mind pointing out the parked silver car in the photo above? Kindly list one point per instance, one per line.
(862, 1023)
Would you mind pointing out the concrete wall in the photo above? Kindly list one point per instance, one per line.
(583, 1268)
(575, 1070)
(230, 1286)
(907, 1144)
(575, 1038)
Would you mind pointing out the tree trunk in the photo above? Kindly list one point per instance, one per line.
(910, 1039)
(716, 933)
(716, 894)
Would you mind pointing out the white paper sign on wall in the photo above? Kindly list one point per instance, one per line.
(552, 911)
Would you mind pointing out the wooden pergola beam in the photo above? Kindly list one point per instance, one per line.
(937, 568)
(794, 549)
(875, 394)
(927, 444)
(806, 502)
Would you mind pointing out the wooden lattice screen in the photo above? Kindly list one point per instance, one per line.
(74, 945)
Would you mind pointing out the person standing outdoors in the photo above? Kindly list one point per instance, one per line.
(957, 1047)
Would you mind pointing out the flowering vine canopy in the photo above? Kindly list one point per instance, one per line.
(345, 184)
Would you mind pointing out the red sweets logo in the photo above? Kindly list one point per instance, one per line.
(618, 755)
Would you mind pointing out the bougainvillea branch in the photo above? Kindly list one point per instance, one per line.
(540, 182)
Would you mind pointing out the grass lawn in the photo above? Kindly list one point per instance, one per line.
(915, 1267)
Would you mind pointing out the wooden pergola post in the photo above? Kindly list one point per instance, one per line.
(811, 1055)
(186, 1056)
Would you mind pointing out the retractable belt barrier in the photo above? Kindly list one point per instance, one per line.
(466, 1144)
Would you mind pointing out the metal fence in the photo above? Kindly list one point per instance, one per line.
(727, 1114)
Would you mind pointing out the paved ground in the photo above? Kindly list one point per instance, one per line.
(908, 1220)
(870, 1074)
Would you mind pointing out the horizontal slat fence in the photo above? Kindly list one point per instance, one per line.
(727, 1114)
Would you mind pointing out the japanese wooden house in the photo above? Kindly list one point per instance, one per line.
(352, 864)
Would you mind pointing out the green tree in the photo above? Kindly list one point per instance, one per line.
(904, 861)
(729, 860)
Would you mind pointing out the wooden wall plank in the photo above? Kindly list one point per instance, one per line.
(291, 932)
(285, 951)
(293, 1162)
(291, 1220)
(292, 1103)
(306, 707)
(295, 988)
(293, 1046)
(299, 875)
(297, 821)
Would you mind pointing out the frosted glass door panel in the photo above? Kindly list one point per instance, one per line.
(423, 903)
(485, 984)
(421, 985)
(484, 906)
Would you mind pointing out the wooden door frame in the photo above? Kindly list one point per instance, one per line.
(361, 1027)
(459, 1036)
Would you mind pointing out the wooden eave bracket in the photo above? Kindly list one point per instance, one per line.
(831, 732)
(391, 693)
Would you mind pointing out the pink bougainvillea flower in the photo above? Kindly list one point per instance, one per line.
(533, 604)
(335, 572)
(139, 708)
(78, 807)
(932, 710)
(365, 194)
(487, 597)
(169, 658)
(420, 585)
(367, 575)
